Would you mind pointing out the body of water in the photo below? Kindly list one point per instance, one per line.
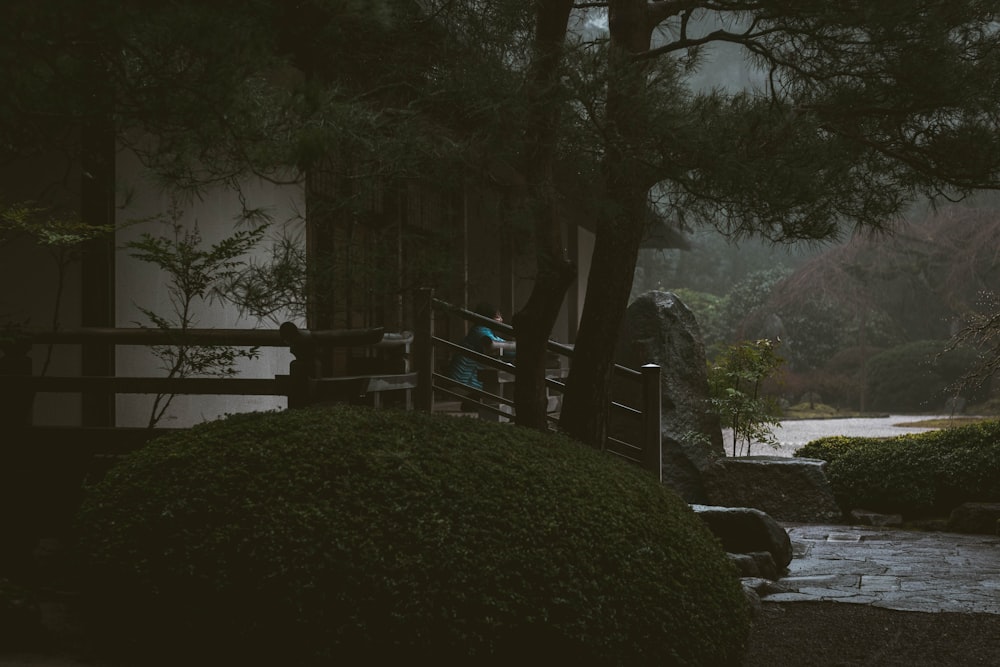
(795, 433)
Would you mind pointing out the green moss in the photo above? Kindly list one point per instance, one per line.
(311, 535)
(914, 474)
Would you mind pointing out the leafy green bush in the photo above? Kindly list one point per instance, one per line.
(735, 382)
(301, 537)
(832, 447)
(915, 474)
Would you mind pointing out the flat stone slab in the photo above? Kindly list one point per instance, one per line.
(787, 489)
(895, 569)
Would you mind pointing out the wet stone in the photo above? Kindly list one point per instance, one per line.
(905, 570)
(843, 537)
(879, 583)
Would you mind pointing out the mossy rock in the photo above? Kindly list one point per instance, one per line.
(311, 535)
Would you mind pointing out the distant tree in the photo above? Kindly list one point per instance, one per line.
(880, 291)
(746, 297)
(980, 331)
(713, 263)
(710, 313)
(920, 376)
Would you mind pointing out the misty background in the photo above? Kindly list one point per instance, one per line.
(866, 321)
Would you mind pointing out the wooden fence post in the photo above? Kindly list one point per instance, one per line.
(16, 403)
(423, 348)
(302, 369)
(652, 409)
(20, 464)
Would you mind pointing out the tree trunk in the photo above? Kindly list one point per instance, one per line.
(588, 388)
(620, 228)
(533, 323)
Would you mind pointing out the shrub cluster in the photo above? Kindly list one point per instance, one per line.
(302, 537)
(914, 474)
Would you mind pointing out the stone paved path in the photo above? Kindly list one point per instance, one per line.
(892, 568)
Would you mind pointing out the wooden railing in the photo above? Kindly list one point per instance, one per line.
(644, 449)
(303, 385)
(43, 468)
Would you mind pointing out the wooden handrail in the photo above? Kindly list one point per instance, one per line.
(551, 345)
(647, 453)
(145, 385)
(292, 336)
(300, 385)
(232, 337)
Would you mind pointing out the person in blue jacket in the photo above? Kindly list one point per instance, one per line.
(481, 339)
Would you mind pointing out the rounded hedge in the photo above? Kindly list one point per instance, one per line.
(308, 535)
(917, 474)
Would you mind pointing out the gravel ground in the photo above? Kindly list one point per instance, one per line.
(828, 634)
(806, 634)
(795, 433)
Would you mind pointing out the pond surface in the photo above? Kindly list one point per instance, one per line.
(795, 433)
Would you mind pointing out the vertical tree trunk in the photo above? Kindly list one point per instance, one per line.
(533, 323)
(619, 232)
(588, 388)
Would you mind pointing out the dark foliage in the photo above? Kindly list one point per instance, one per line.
(918, 376)
(301, 537)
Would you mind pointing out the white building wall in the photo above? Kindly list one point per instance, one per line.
(142, 285)
(585, 250)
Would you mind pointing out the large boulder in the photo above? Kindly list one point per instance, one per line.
(659, 329)
(789, 489)
(746, 530)
(983, 518)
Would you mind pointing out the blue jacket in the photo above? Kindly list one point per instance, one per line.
(465, 369)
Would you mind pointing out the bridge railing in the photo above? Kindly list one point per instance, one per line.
(432, 384)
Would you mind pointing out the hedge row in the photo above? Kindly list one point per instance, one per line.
(389, 537)
(919, 474)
